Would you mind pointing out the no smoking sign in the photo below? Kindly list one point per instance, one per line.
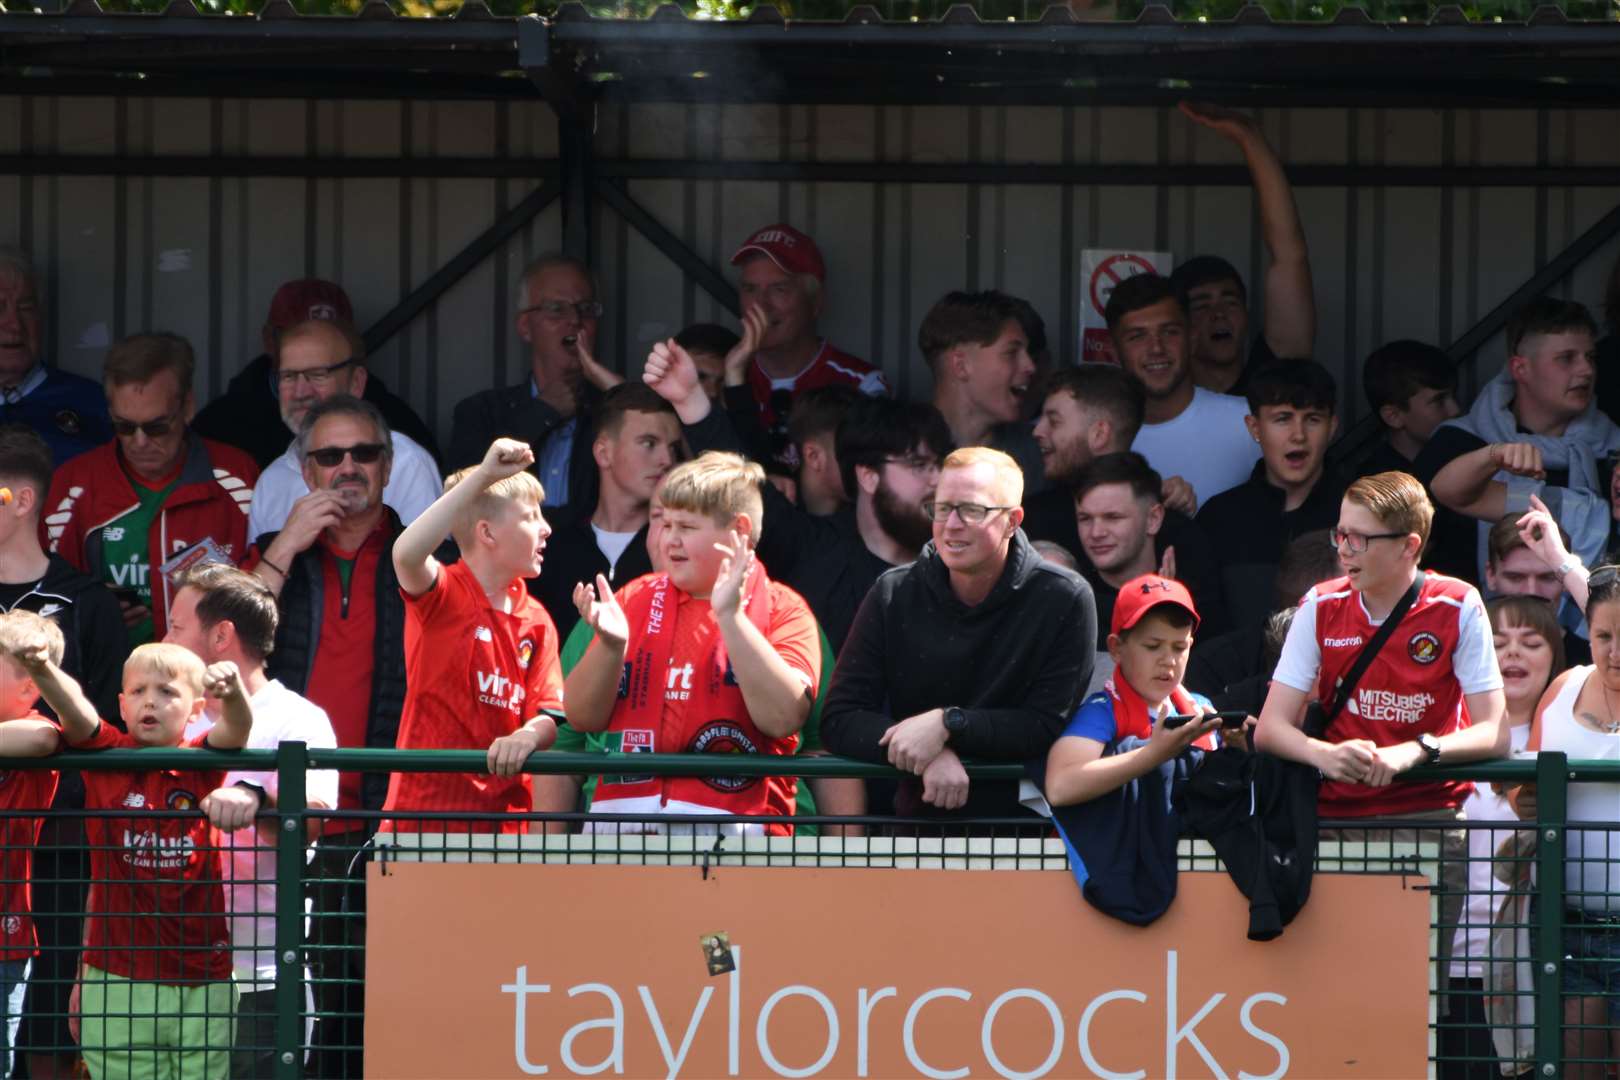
(1101, 271)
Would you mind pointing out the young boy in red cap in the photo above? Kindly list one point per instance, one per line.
(1150, 639)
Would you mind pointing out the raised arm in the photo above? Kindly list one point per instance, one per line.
(1540, 534)
(223, 683)
(60, 690)
(413, 550)
(775, 693)
(593, 685)
(1290, 311)
(29, 738)
(1465, 483)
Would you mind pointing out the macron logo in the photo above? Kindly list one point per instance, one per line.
(1341, 642)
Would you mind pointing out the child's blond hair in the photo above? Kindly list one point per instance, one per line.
(170, 661)
(19, 628)
(718, 485)
(493, 502)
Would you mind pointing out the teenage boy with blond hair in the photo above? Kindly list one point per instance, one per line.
(23, 733)
(709, 656)
(154, 989)
(480, 653)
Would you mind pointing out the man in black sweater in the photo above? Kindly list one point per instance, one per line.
(1291, 491)
(888, 454)
(979, 649)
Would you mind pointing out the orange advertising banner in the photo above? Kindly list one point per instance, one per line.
(515, 970)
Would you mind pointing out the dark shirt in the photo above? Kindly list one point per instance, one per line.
(1249, 529)
(1049, 515)
(1384, 458)
(67, 410)
(1260, 355)
(1017, 664)
(1607, 391)
(572, 556)
(248, 415)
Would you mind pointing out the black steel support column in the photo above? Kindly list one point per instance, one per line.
(691, 263)
(558, 82)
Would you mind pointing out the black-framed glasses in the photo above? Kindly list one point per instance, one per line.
(365, 453)
(558, 309)
(317, 377)
(970, 513)
(1356, 543)
(917, 463)
(152, 429)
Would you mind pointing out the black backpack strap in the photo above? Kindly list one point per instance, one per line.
(1364, 659)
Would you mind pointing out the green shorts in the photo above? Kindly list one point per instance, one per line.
(154, 1031)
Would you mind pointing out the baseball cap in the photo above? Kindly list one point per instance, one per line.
(1142, 594)
(788, 248)
(308, 298)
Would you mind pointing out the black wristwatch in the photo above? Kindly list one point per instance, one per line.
(955, 722)
(1431, 747)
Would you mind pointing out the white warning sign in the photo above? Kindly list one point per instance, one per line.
(1100, 271)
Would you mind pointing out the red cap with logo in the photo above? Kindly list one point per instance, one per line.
(788, 248)
(1142, 594)
(308, 298)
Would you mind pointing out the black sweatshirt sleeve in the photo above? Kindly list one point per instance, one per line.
(1019, 734)
(854, 717)
(104, 646)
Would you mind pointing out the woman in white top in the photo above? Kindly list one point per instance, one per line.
(1580, 716)
(1530, 652)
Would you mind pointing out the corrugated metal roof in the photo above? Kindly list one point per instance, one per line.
(863, 57)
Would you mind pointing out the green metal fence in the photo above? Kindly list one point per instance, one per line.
(310, 1022)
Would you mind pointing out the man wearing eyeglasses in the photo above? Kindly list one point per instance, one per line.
(315, 361)
(551, 409)
(121, 511)
(248, 414)
(980, 649)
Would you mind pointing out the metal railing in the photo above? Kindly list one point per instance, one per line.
(321, 951)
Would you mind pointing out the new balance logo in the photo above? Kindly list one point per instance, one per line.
(482, 633)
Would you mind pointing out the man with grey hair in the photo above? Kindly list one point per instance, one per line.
(316, 360)
(551, 409)
(69, 411)
(340, 642)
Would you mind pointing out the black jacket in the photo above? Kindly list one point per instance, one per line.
(823, 559)
(1049, 515)
(298, 635)
(95, 639)
(1231, 669)
(1017, 664)
(248, 415)
(513, 412)
(1248, 529)
(1259, 813)
(572, 557)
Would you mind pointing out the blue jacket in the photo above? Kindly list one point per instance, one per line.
(69, 412)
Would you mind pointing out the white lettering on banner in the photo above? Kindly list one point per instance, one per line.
(1386, 706)
(675, 1058)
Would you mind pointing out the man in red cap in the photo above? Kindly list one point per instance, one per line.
(248, 414)
(782, 293)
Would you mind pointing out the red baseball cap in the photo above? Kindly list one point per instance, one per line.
(1140, 595)
(308, 298)
(788, 248)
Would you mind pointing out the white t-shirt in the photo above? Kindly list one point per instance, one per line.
(413, 484)
(1473, 660)
(279, 716)
(1207, 445)
(611, 544)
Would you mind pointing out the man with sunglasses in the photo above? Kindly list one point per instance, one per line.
(248, 416)
(121, 511)
(340, 642)
(980, 649)
(551, 409)
(318, 360)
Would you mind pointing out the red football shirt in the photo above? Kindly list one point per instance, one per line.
(157, 906)
(472, 675)
(25, 791)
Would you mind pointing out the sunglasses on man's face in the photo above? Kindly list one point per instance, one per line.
(153, 429)
(328, 457)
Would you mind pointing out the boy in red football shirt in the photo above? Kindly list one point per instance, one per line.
(23, 733)
(710, 656)
(481, 664)
(155, 989)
